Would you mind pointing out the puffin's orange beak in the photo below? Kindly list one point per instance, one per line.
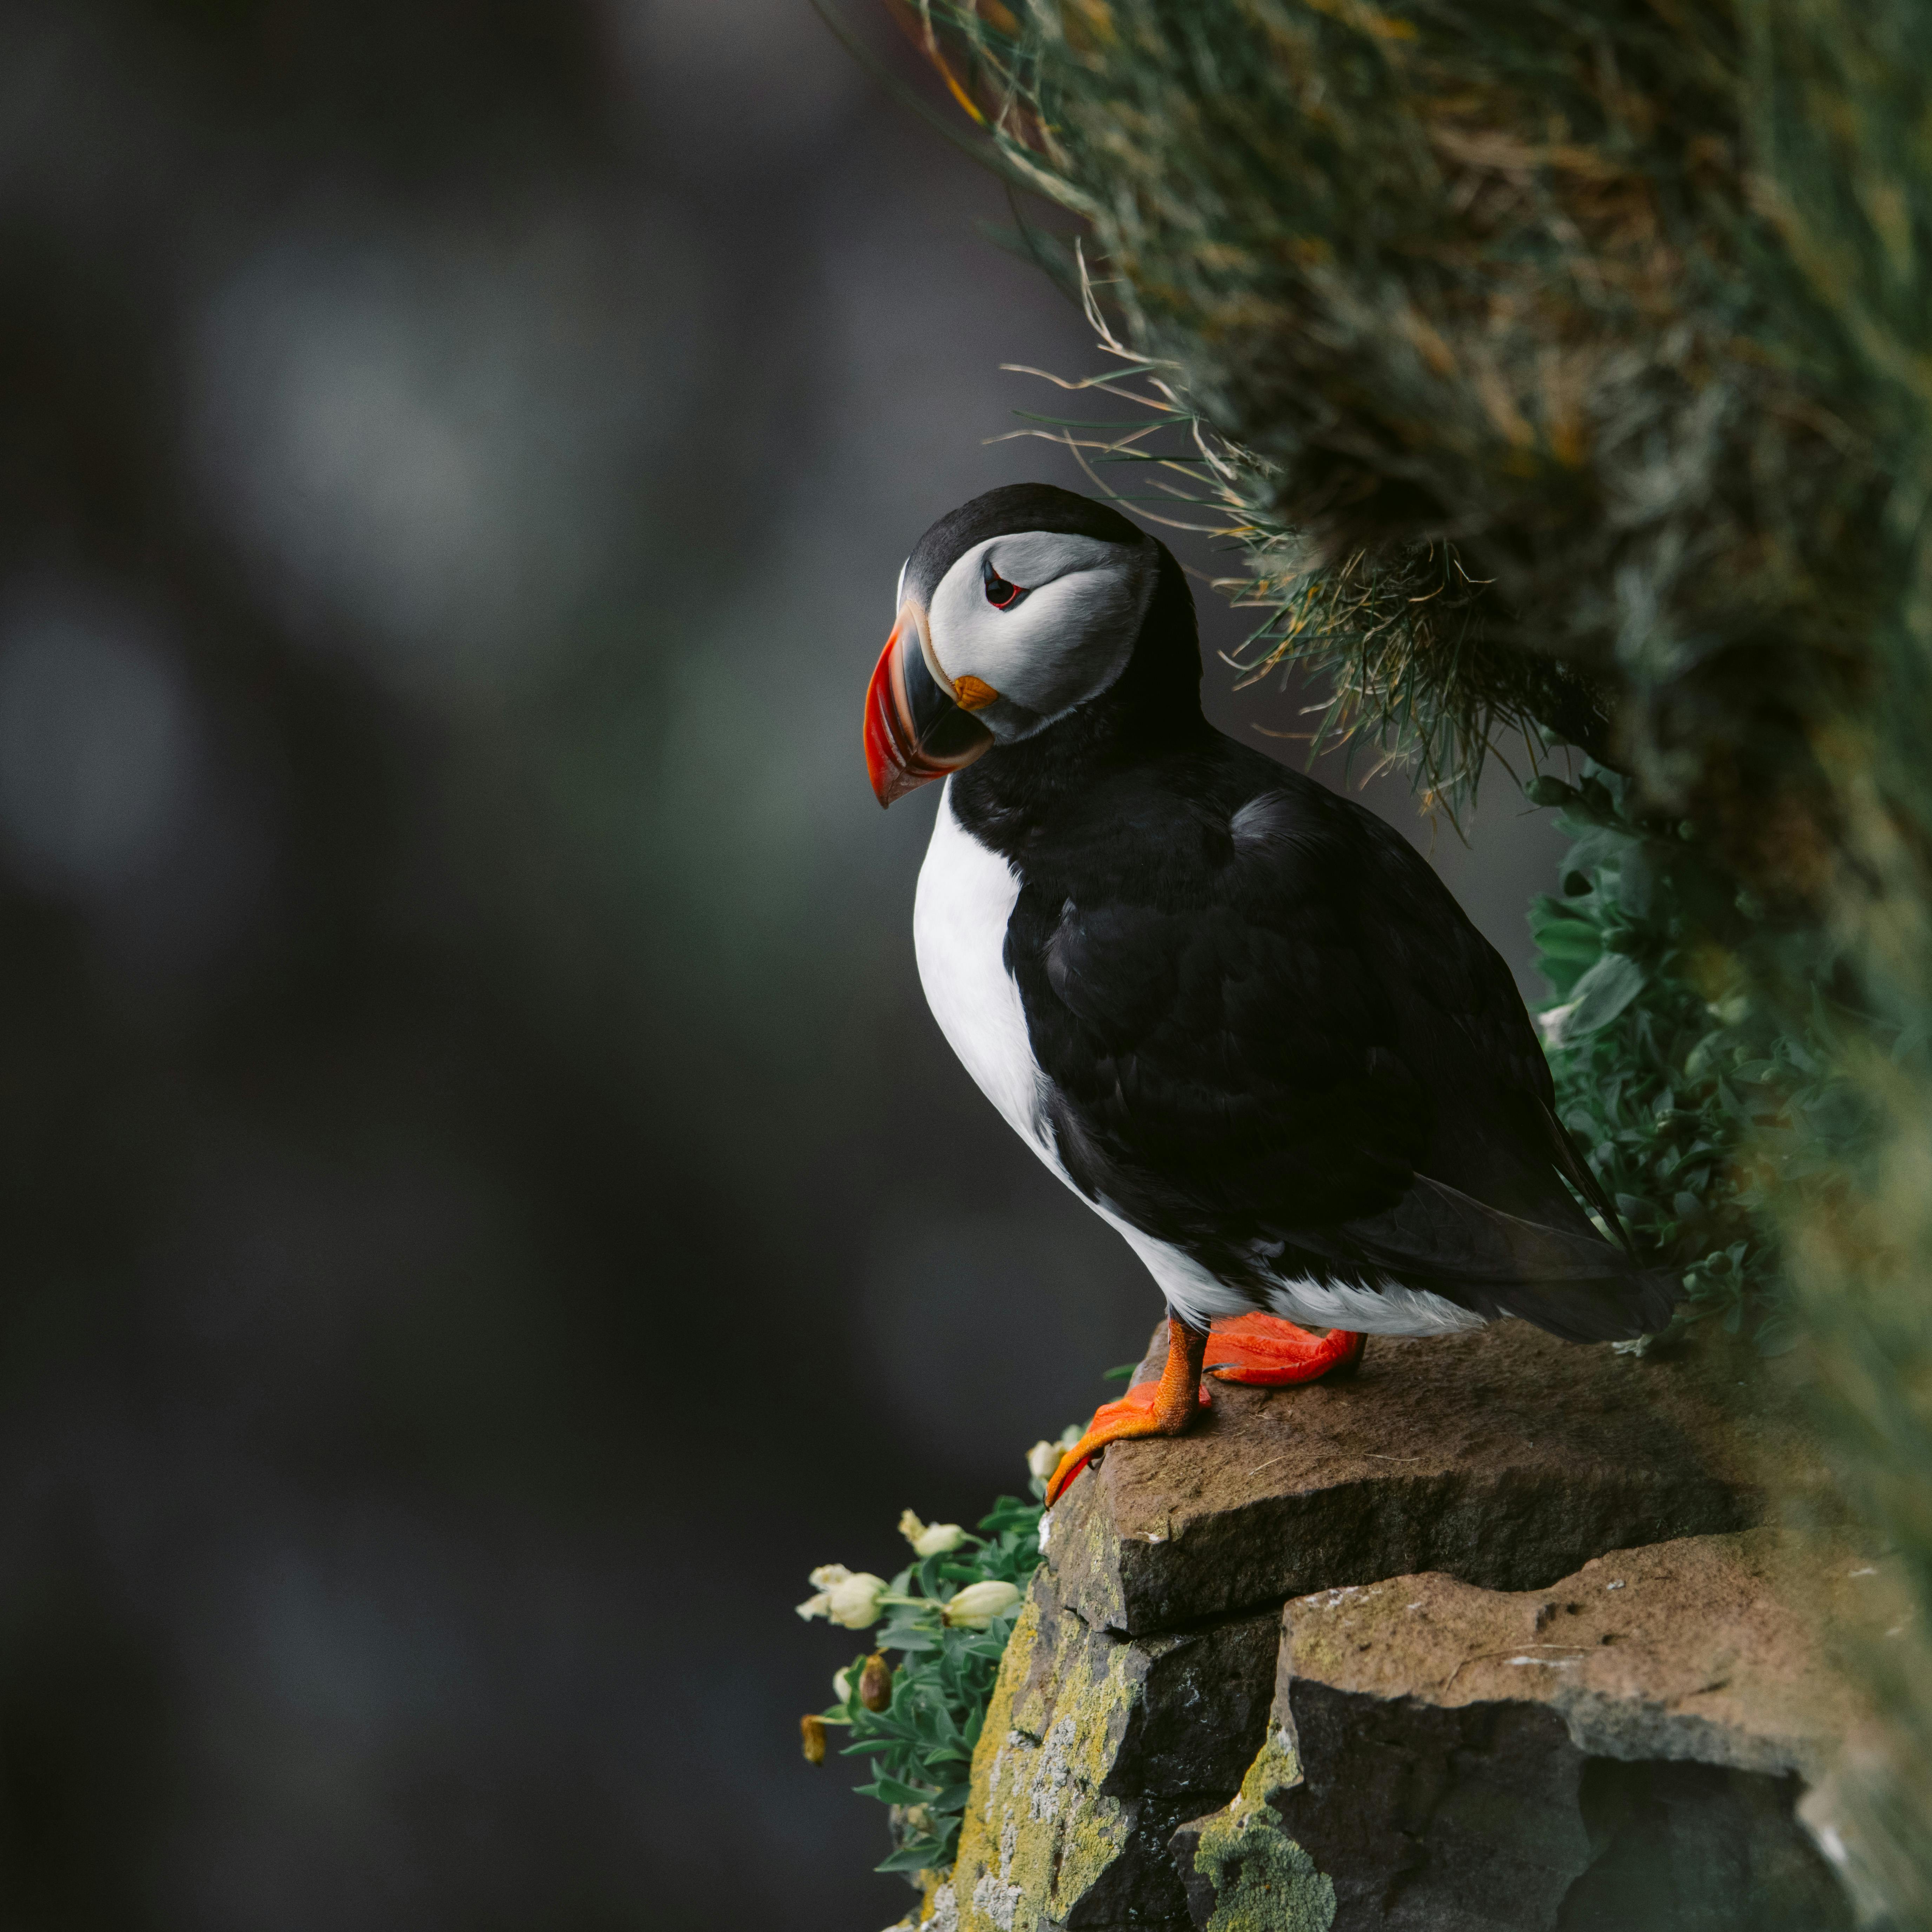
(916, 729)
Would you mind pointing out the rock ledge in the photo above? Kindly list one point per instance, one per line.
(1494, 1636)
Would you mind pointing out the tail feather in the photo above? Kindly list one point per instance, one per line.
(1572, 1283)
(1583, 1176)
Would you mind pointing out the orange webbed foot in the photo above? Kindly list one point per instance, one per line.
(1264, 1349)
(1137, 1413)
(1165, 1408)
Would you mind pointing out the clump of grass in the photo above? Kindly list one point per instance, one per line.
(1483, 299)
(1396, 644)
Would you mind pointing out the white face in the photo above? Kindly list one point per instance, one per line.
(1063, 640)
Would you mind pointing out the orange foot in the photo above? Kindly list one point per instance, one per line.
(1165, 1408)
(1264, 1348)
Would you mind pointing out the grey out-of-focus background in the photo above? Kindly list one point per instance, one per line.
(485, 1208)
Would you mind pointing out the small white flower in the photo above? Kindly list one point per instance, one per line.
(930, 1539)
(978, 1604)
(855, 1602)
(849, 1597)
(1551, 1023)
(841, 1687)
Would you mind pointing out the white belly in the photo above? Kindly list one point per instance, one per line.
(965, 898)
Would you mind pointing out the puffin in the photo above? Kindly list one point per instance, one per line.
(1235, 1012)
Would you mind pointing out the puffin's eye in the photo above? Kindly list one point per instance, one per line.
(1001, 594)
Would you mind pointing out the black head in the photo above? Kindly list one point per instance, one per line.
(1016, 611)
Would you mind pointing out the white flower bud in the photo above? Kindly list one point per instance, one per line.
(841, 1686)
(849, 1597)
(930, 1539)
(855, 1602)
(1043, 1458)
(978, 1604)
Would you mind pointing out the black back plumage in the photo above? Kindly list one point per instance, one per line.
(1272, 1037)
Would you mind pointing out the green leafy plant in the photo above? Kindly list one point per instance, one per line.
(948, 1615)
(1694, 1105)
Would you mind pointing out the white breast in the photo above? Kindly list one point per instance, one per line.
(967, 893)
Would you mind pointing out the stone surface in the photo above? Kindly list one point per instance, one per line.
(1236, 1700)
(1625, 1748)
(1697, 1649)
(1503, 1457)
(1097, 1746)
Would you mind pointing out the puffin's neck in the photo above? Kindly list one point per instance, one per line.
(1006, 797)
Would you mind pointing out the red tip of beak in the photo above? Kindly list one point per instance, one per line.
(910, 744)
(892, 761)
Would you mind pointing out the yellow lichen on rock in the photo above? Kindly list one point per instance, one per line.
(1038, 1834)
(1277, 1767)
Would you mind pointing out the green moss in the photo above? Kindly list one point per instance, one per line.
(1263, 1881)
(1277, 1767)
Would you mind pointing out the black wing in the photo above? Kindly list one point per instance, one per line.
(1274, 1040)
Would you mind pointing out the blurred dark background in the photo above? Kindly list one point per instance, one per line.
(485, 1208)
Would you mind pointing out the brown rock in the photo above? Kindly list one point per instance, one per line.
(1504, 1458)
(1626, 1747)
(1095, 1748)
(1458, 1751)
(1708, 1647)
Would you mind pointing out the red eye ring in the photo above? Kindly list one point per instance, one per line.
(1001, 594)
